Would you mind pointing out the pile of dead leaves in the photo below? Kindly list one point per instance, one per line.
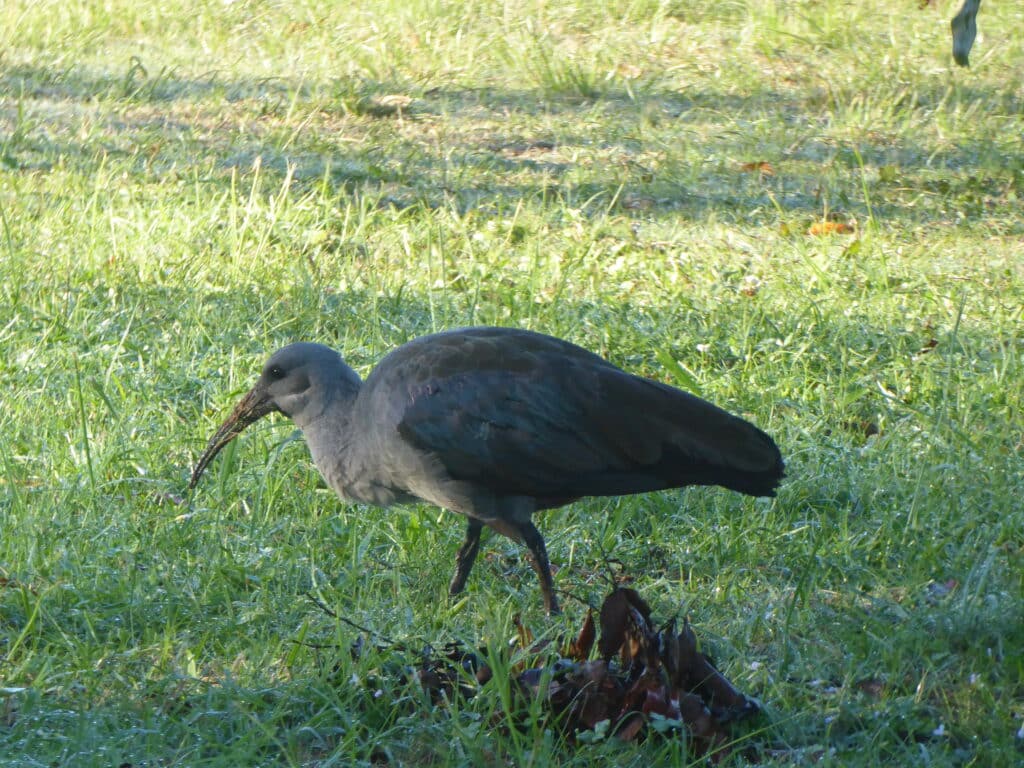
(643, 680)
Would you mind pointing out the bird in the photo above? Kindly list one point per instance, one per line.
(497, 424)
(965, 28)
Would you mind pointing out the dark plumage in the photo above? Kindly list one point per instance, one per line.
(965, 28)
(497, 423)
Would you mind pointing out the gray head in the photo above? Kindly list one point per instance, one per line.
(299, 380)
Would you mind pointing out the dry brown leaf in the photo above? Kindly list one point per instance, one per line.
(393, 100)
(658, 702)
(580, 648)
(821, 228)
(871, 686)
(866, 427)
(523, 632)
(630, 726)
(617, 617)
(696, 716)
(517, 148)
(639, 203)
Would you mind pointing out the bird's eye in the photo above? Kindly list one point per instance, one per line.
(276, 372)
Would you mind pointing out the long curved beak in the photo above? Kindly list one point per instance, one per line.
(256, 404)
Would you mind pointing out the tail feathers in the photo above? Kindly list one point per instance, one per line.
(680, 469)
(684, 440)
(736, 454)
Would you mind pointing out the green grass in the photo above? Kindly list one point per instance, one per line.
(185, 186)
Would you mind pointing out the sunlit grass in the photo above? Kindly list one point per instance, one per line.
(187, 186)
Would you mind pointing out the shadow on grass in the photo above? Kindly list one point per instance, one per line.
(655, 154)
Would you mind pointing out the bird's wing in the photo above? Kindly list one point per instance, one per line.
(546, 419)
(510, 432)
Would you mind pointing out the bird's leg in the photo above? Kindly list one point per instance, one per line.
(539, 560)
(467, 554)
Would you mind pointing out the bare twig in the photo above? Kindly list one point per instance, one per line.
(326, 609)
